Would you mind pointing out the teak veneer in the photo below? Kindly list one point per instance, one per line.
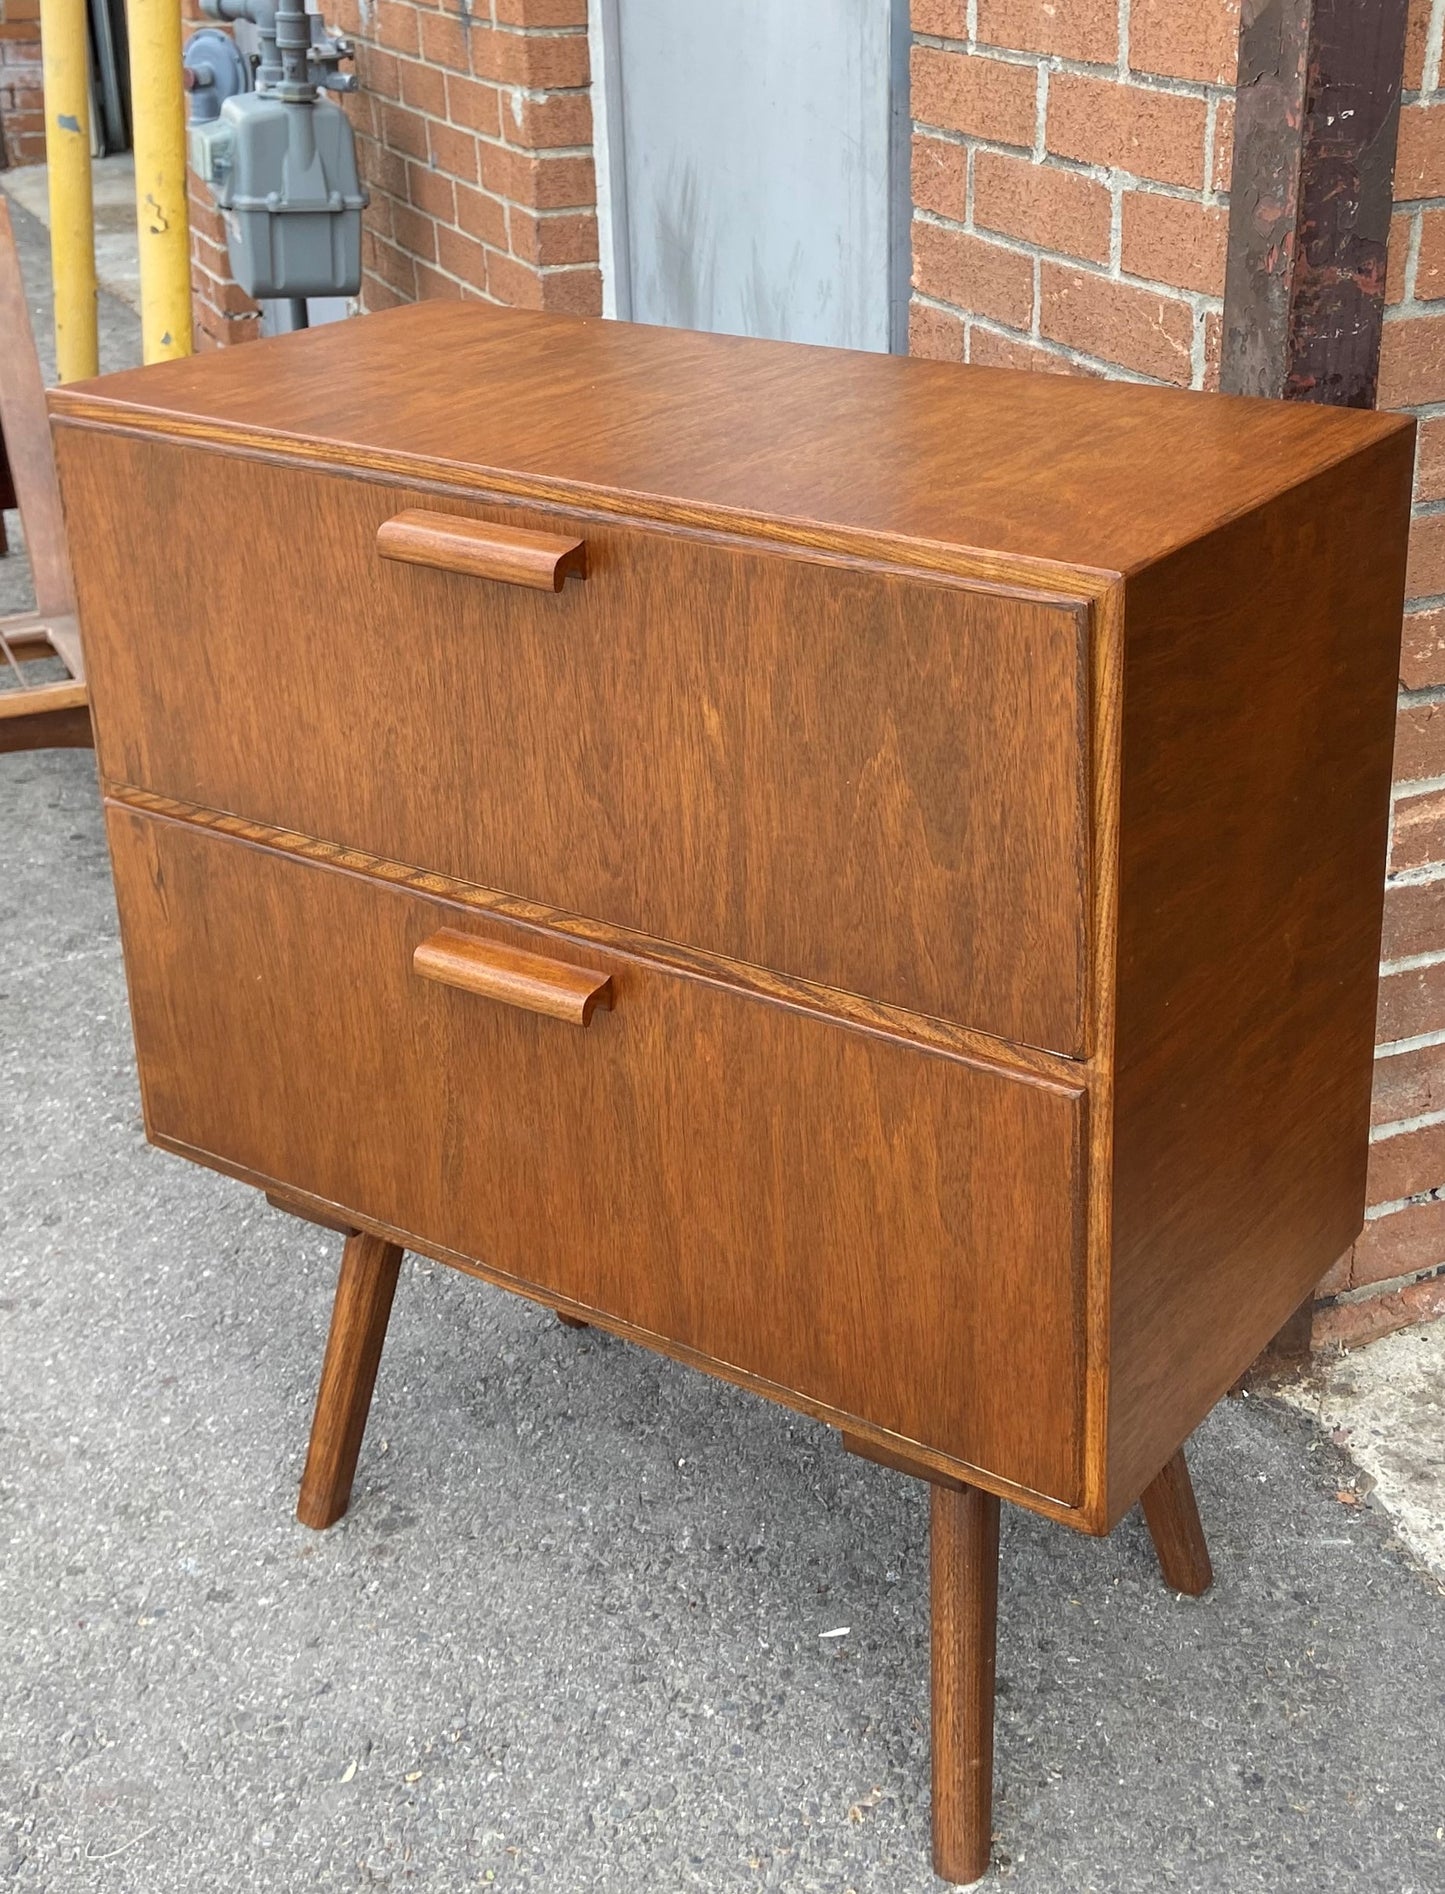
(861, 874)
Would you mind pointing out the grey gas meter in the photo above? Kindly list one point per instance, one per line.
(291, 196)
(281, 160)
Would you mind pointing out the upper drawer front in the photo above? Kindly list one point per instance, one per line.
(882, 1229)
(872, 781)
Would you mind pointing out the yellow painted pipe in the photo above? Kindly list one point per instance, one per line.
(65, 50)
(158, 112)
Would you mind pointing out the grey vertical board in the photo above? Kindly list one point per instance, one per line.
(759, 165)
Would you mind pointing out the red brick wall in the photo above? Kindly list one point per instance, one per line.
(474, 134)
(221, 313)
(22, 104)
(1396, 1272)
(1070, 165)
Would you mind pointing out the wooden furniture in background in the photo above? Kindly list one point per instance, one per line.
(952, 802)
(8, 496)
(35, 716)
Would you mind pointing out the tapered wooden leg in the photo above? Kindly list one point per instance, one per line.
(571, 1321)
(1173, 1520)
(964, 1560)
(364, 1292)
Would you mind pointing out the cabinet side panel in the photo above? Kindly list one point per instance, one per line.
(1259, 693)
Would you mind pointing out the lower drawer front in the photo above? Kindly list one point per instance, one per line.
(880, 1230)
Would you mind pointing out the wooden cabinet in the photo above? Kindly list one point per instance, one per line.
(862, 874)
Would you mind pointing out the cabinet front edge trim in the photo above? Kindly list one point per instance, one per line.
(1046, 580)
(1055, 1072)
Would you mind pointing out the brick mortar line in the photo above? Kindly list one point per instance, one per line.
(510, 256)
(1402, 1127)
(490, 249)
(485, 190)
(1109, 175)
(1416, 1042)
(1211, 131)
(527, 151)
(539, 94)
(1378, 1212)
(1411, 695)
(1065, 350)
(1408, 963)
(1078, 68)
(1414, 307)
(501, 143)
(1390, 1285)
(1418, 786)
(949, 136)
(1102, 270)
(516, 32)
(511, 86)
(505, 203)
(1404, 312)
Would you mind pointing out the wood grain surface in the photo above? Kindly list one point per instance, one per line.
(45, 717)
(963, 1606)
(1260, 688)
(512, 976)
(883, 1229)
(875, 782)
(710, 428)
(365, 1287)
(1172, 1516)
(482, 549)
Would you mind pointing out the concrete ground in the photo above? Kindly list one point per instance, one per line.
(1385, 1405)
(577, 1630)
(117, 260)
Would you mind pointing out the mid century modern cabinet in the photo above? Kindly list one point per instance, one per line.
(862, 874)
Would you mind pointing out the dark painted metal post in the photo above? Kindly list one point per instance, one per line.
(1317, 113)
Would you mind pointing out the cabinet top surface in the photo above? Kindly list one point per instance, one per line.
(1108, 475)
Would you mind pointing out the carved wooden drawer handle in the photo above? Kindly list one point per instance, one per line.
(512, 554)
(516, 978)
